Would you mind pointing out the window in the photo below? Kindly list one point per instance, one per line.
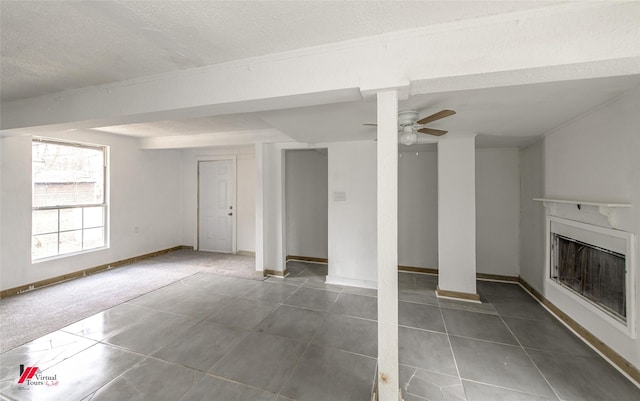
(69, 198)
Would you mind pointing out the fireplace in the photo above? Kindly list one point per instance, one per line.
(592, 266)
(595, 273)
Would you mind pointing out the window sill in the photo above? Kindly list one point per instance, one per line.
(67, 255)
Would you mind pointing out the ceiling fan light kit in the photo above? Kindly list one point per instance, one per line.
(408, 136)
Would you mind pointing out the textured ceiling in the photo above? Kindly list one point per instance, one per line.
(50, 46)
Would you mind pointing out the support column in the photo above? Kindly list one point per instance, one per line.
(259, 231)
(387, 247)
(457, 218)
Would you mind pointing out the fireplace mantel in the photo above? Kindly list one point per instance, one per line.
(607, 209)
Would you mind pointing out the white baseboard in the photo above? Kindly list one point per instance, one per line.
(351, 282)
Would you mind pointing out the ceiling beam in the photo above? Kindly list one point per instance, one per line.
(240, 138)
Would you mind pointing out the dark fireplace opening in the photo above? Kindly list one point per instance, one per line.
(595, 273)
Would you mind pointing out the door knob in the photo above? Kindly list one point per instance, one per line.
(230, 214)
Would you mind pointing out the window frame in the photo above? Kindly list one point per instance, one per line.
(104, 204)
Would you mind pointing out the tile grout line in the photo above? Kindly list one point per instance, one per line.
(94, 391)
(485, 341)
(293, 370)
(453, 355)
(298, 360)
(236, 382)
(250, 331)
(525, 351)
(530, 359)
(508, 388)
(61, 352)
(298, 286)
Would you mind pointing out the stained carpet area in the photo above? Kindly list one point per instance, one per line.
(28, 316)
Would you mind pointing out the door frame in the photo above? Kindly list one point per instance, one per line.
(234, 178)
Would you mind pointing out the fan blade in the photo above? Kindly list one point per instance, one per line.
(431, 131)
(370, 125)
(436, 116)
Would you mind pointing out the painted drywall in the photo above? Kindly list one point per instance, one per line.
(306, 206)
(418, 209)
(259, 149)
(2, 169)
(457, 214)
(246, 203)
(532, 215)
(497, 184)
(15, 249)
(245, 193)
(497, 211)
(144, 204)
(273, 257)
(595, 158)
(497, 208)
(270, 205)
(352, 213)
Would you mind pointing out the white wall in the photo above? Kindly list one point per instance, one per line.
(593, 158)
(418, 209)
(271, 209)
(246, 203)
(144, 192)
(532, 215)
(306, 202)
(497, 206)
(15, 249)
(2, 169)
(497, 211)
(457, 214)
(245, 193)
(352, 222)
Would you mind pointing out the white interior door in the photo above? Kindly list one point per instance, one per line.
(216, 206)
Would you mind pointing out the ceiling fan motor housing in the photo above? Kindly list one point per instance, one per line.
(407, 117)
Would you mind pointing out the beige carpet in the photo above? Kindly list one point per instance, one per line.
(30, 315)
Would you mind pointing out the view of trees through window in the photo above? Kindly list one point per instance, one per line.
(68, 187)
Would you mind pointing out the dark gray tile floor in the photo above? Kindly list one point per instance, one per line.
(210, 337)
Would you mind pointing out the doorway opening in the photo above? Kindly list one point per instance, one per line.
(306, 212)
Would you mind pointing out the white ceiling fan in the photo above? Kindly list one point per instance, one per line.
(409, 126)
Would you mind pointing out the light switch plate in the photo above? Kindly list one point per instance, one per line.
(339, 196)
